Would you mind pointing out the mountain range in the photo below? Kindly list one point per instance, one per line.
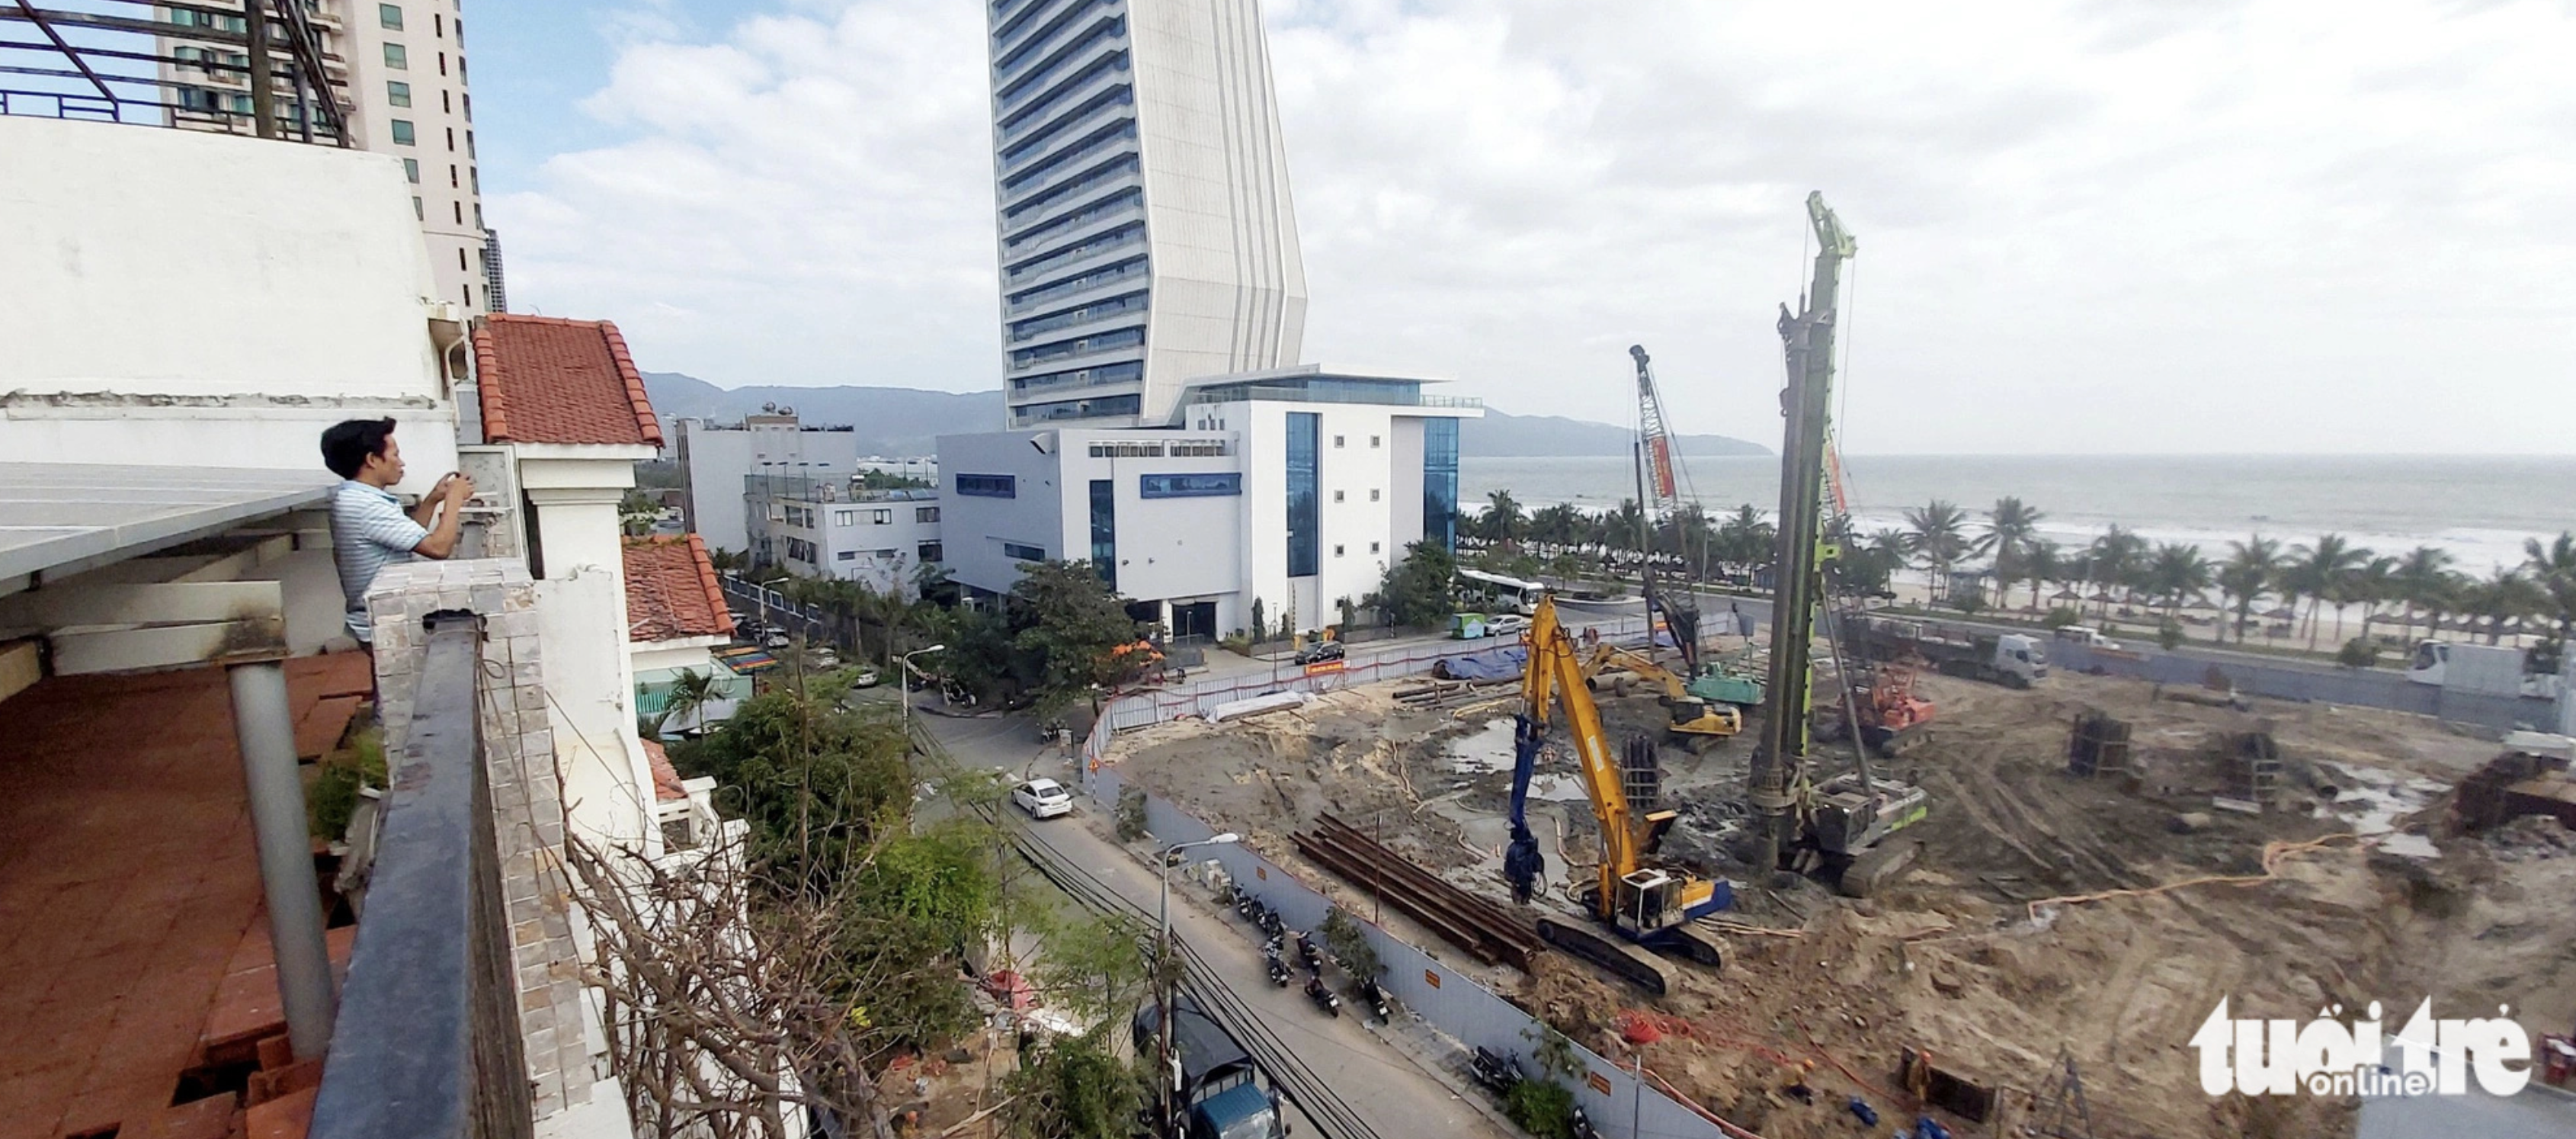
(908, 421)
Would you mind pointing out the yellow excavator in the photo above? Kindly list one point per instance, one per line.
(1698, 723)
(1650, 907)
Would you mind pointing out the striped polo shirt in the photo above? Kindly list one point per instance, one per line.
(369, 531)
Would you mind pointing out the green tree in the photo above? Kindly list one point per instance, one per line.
(2010, 529)
(1066, 619)
(2042, 563)
(2117, 558)
(1075, 1087)
(1937, 535)
(2178, 571)
(2251, 567)
(2424, 581)
(2553, 569)
(1095, 967)
(690, 693)
(2323, 573)
(1419, 591)
(2510, 595)
(1502, 522)
(820, 786)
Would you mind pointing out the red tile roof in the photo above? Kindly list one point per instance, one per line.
(666, 778)
(545, 379)
(671, 591)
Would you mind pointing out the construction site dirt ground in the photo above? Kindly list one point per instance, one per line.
(1971, 955)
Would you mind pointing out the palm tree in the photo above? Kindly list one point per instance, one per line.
(2010, 527)
(2553, 568)
(2423, 580)
(690, 693)
(2373, 585)
(1938, 534)
(2117, 557)
(2510, 595)
(1746, 539)
(1502, 522)
(2252, 567)
(2177, 570)
(2322, 572)
(2042, 563)
(1558, 525)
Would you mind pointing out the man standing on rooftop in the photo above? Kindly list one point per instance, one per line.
(369, 529)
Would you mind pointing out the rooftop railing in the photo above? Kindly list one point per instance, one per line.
(427, 1042)
(1277, 394)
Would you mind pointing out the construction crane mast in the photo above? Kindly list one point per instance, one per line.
(1808, 337)
(1658, 505)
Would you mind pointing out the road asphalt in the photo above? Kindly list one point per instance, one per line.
(1388, 1088)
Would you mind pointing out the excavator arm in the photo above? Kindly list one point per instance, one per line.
(1554, 677)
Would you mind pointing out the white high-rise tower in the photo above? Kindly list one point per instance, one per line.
(1147, 238)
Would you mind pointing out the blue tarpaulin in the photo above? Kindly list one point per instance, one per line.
(1491, 664)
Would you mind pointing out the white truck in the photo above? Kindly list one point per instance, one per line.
(2487, 670)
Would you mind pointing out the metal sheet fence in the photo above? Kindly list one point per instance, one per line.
(2365, 688)
(1152, 706)
(1615, 1099)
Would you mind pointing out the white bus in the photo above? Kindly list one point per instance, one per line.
(1494, 593)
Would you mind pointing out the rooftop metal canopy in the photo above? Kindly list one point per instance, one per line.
(66, 517)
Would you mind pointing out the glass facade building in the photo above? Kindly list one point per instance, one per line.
(1440, 482)
(1104, 529)
(1303, 531)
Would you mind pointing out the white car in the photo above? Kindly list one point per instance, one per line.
(1506, 625)
(1043, 798)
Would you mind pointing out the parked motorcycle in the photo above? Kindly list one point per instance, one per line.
(1583, 1128)
(1247, 907)
(1323, 997)
(1375, 998)
(1271, 922)
(1499, 1073)
(1278, 967)
(1307, 955)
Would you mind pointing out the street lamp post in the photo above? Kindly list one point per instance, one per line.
(903, 680)
(1165, 1078)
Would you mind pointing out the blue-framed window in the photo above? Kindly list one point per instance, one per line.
(1104, 530)
(1440, 482)
(989, 486)
(1303, 533)
(1189, 486)
(1023, 551)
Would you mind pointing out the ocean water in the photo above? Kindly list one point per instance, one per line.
(2481, 509)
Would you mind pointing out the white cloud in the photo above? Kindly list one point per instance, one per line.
(2210, 226)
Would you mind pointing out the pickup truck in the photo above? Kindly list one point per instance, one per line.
(2088, 637)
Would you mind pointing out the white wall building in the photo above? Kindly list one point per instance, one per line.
(713, 459)
(1146, 233)
(188, 312)
(1294, 487)
(826, 527)
(397, 70)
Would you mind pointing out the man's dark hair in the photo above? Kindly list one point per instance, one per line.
(346, 444)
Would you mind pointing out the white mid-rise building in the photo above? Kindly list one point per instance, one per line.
(1294, 487)
(715, 458)
(1141, 183)
(831, 527)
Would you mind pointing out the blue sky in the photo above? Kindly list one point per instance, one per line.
(2217, 226)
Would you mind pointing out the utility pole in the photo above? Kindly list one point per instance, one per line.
(1166, 1078)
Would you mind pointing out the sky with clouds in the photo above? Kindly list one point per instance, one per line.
(2182, 226)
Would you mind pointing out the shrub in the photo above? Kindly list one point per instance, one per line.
(2358, 652)
(2061, 617)
(2169, 634)
(1541, 1108)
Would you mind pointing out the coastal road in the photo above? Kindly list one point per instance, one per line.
(1383, 1087)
